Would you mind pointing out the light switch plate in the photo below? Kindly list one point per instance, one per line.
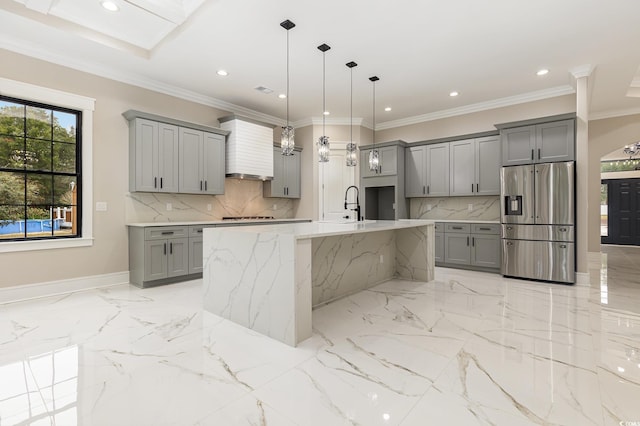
(101, 206)
(470, 207)
(208, 207)
(169, 207)
(428, 207)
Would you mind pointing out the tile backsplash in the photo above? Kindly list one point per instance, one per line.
(482, 208)
(241, 198)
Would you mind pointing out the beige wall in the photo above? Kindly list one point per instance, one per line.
(109, 253)
(605, 136)
(482, 121)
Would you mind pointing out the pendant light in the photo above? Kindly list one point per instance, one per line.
(374, 156)
(323, 141)
(287, 142)
(352, 147)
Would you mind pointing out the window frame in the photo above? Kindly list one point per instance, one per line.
(44, 95)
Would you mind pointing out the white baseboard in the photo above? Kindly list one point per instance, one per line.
(52, 288)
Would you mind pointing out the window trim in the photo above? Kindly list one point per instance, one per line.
(34, 93)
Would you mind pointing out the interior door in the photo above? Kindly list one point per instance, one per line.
(623, 211)
(335, 178)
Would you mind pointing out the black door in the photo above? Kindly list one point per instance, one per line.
(623, 211)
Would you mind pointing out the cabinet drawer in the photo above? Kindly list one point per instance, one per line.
(485, 228)
(196, 230)
(164, 232)
(462, 228)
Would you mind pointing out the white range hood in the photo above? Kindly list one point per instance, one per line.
(249, 153)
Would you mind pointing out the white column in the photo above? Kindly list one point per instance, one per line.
(581, 75)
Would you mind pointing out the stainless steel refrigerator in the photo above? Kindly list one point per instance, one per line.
(538, 217)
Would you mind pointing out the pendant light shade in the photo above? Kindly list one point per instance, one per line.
(287, 142)
(374, 156)
(352, 147)
(323, 141)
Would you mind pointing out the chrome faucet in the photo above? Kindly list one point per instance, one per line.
(357, 203)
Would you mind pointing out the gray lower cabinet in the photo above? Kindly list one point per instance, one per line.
(469, 245)
(439, 243)
(158, 255)
(195, 248)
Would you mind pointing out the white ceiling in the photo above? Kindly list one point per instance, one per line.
(488, 51)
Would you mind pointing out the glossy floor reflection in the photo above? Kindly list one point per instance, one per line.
(467, 348)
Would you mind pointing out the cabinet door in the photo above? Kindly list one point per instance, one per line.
(190, 153)
(388, 161)
(365, 172)
(213, 163)
(177, 257)
(457, 249)
(462, 167)
(292, 173)
(439, 247)
(555, 141)
(415, 183)
(485, 250)
(518, 145)
(146, 155)
(168, 158)
(155, 260)
(488, 166)
(195, 255)
(278, 182)
(437, 171)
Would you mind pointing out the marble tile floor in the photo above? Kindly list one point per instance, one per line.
(467, 348)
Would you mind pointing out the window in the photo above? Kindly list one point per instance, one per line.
(34, 95)
(40, 170)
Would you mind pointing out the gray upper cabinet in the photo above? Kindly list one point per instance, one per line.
(388, 162)
(475, 166)
(168, 155)
(153, 156)
(437, 170)
(201, 162)
(286, 176)
(462, 159)
(540, 143)
(487, 162)
(427, 171)
(415, 172)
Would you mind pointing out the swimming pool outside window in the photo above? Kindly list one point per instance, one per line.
(40, 171)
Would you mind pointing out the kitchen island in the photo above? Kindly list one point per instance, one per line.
(269, 277)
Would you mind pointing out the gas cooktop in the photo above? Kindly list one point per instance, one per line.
(248, 218)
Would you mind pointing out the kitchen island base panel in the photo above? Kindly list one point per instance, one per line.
(268, 281)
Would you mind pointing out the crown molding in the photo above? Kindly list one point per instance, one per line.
(582, 71)
(335, 121)
(613, 114)
(34, 51)
(480, 106)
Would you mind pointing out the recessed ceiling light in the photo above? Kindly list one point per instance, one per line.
(326, 113)
(453, 94)
(387, 109)
(222, 73)
(282, 96)
(110, 6)
(543, 71)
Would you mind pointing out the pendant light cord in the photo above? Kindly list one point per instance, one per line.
(288, 135)
(374, 114)
(351, 108)
(323, 91)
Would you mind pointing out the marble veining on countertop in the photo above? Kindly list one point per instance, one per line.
(326, 229)
(218, 222)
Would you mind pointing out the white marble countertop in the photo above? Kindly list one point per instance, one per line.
(497, 222)
(216, 222)
(326, 229)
